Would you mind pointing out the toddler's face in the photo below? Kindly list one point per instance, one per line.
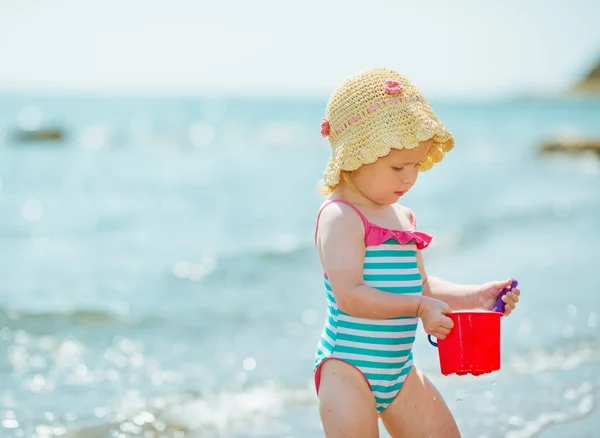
(390, 177)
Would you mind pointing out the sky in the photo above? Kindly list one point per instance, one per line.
(465, 48)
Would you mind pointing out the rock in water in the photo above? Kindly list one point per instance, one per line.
(574, 145)
(591, 82)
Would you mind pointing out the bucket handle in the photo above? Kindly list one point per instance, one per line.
(430, 339)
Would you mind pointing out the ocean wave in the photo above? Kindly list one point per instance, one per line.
(577, 402)
(75, 316)
(581, 404)
(255, 411)
(259, 257)
(564, 357)
(157, 318)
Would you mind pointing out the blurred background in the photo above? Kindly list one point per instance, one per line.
(158, 169)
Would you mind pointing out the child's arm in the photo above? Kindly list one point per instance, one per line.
(341, 247)
(466, 297)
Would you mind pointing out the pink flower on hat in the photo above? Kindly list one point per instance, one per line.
(325, 127)
(393, 87)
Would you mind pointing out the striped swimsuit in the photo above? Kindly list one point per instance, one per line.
(381, 349)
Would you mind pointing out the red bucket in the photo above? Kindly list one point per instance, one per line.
(473, 344)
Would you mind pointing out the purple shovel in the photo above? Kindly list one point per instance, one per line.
(499, 306)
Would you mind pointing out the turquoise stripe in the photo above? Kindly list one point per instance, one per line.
(376, 353)
(384, 401)
(389, 377)
(390, 388)
(401, 289)
(391, 253)
(378, 341)
(378, 327)
(392, 277)
(393, 241)
(375, 376)
(383, 277)
(395, 289)
(371, 364)
(327, 345)
(330, 334)
(387, 319)
(390, 265)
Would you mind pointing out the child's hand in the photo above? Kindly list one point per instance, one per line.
(487, 294)
(432, 313)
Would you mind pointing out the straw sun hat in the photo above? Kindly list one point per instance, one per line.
(374, 111)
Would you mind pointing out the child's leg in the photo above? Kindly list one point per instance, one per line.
(346, 403)
(419, 411)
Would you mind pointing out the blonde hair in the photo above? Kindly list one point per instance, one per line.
(346, 175)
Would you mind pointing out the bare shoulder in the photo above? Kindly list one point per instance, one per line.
(340, 239)
(339, 215)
